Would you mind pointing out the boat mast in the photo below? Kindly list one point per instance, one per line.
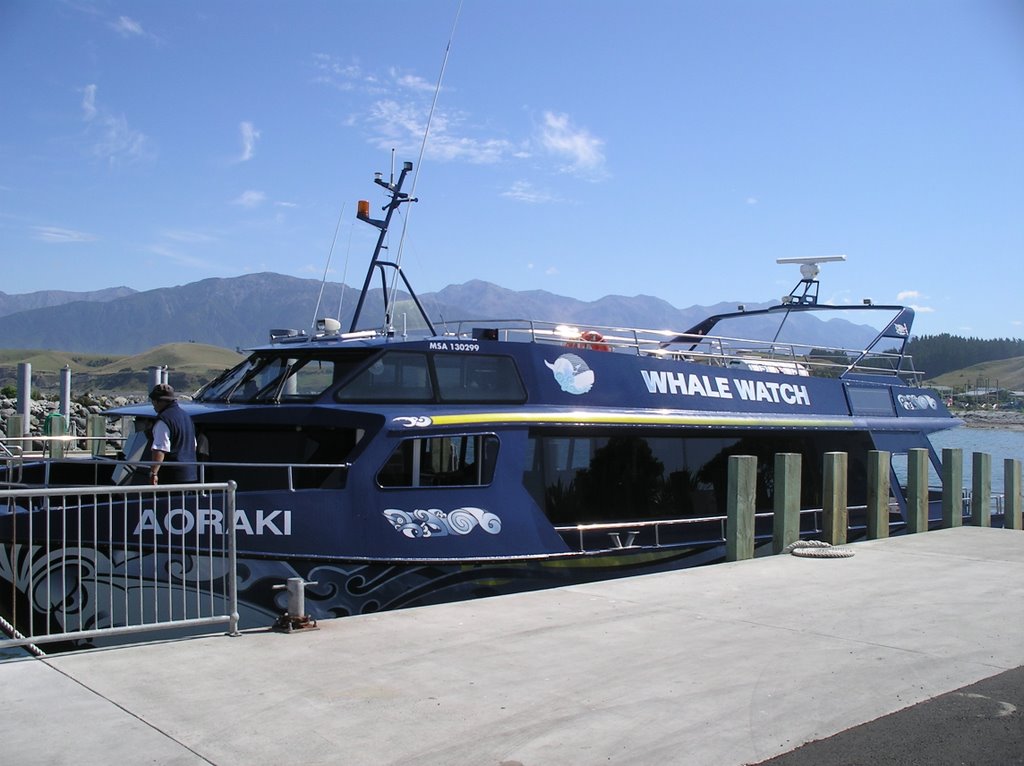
(808, 281)
(394, 189)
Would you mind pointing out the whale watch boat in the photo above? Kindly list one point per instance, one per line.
(401, 467)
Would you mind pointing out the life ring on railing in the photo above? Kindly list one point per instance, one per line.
(590, 339)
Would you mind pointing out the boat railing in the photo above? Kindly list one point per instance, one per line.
(803, 359)
(995, 502)
(101, 472)
(656, 533)
(79, 571)
(41, 445)
(12, 462)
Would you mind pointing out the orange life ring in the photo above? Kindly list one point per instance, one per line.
(590, 339)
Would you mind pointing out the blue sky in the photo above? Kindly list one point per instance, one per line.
(587, 148)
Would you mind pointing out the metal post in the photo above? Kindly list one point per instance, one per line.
(229, 513)
(981, 490)
(835, 513)
(739, 526)
(1012, 494)
(65, 396)
(917, 490)
(952, 488)
(24, 408)
(786, 522)
(878, 494)
(155, 377)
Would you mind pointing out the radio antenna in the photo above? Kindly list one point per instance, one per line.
(423, 146)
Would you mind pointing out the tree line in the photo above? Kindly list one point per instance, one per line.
(939, 354)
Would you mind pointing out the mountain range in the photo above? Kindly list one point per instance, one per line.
(239, 312)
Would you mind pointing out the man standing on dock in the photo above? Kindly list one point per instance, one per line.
(174, 440)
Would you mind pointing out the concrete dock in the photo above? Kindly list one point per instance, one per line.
(729, 664)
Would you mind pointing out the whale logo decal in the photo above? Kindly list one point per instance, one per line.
(572, 374)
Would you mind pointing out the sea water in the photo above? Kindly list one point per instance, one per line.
(1000, 443)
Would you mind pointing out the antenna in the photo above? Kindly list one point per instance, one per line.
(327, 267)
(423, 147)
(808, 271)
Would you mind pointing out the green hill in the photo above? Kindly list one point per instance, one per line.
(1002, 373)
(189, 366)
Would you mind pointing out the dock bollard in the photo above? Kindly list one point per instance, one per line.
(295, 618)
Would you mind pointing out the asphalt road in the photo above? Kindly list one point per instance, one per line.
(979, 725)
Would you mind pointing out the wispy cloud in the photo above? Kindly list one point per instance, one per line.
(524, 191)
(752, 200)
(582, 151)
(59, 236)
(411, 82)
(402, 126)
(397, 119)
(331, 71)
(911, 298)
(187, 237)
(127, 27)
(113, 138)
(250, 198)
(180, 258)
(89, 102)
(249, 138)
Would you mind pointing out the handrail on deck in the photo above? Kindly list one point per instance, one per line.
(721, 350)
(79, 573)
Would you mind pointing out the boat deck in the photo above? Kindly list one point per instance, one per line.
(728, 664)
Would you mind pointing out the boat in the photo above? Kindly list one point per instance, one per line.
(402, 462)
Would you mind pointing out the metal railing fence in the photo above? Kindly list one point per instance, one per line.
(85, 562)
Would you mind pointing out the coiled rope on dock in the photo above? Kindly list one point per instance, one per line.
(816, 549)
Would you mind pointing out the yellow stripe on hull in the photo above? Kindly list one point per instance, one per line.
(635, 418)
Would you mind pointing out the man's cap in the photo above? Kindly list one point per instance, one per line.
(162, 393)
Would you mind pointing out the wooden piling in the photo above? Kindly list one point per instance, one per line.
(952, 488)
(917, 490)
(878, 494)
(786, 522)
(981, 490)
(835, 515)
(740, 505)
(1012, 494)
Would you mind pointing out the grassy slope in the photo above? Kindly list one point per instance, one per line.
(1004, 373)
(189, 364)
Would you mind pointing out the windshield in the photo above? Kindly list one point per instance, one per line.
(280, 376)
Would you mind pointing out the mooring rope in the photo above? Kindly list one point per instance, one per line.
(14, 633)
(816, 549)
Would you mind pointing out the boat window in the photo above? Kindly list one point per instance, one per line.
(314, 456)
(595, 477)
(874, 400)
(222, 387)
(394, 376)
(477, 378)
(442, 461)
(270, 377)
(286, 379)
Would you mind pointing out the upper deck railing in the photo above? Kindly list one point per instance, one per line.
(804, 359)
